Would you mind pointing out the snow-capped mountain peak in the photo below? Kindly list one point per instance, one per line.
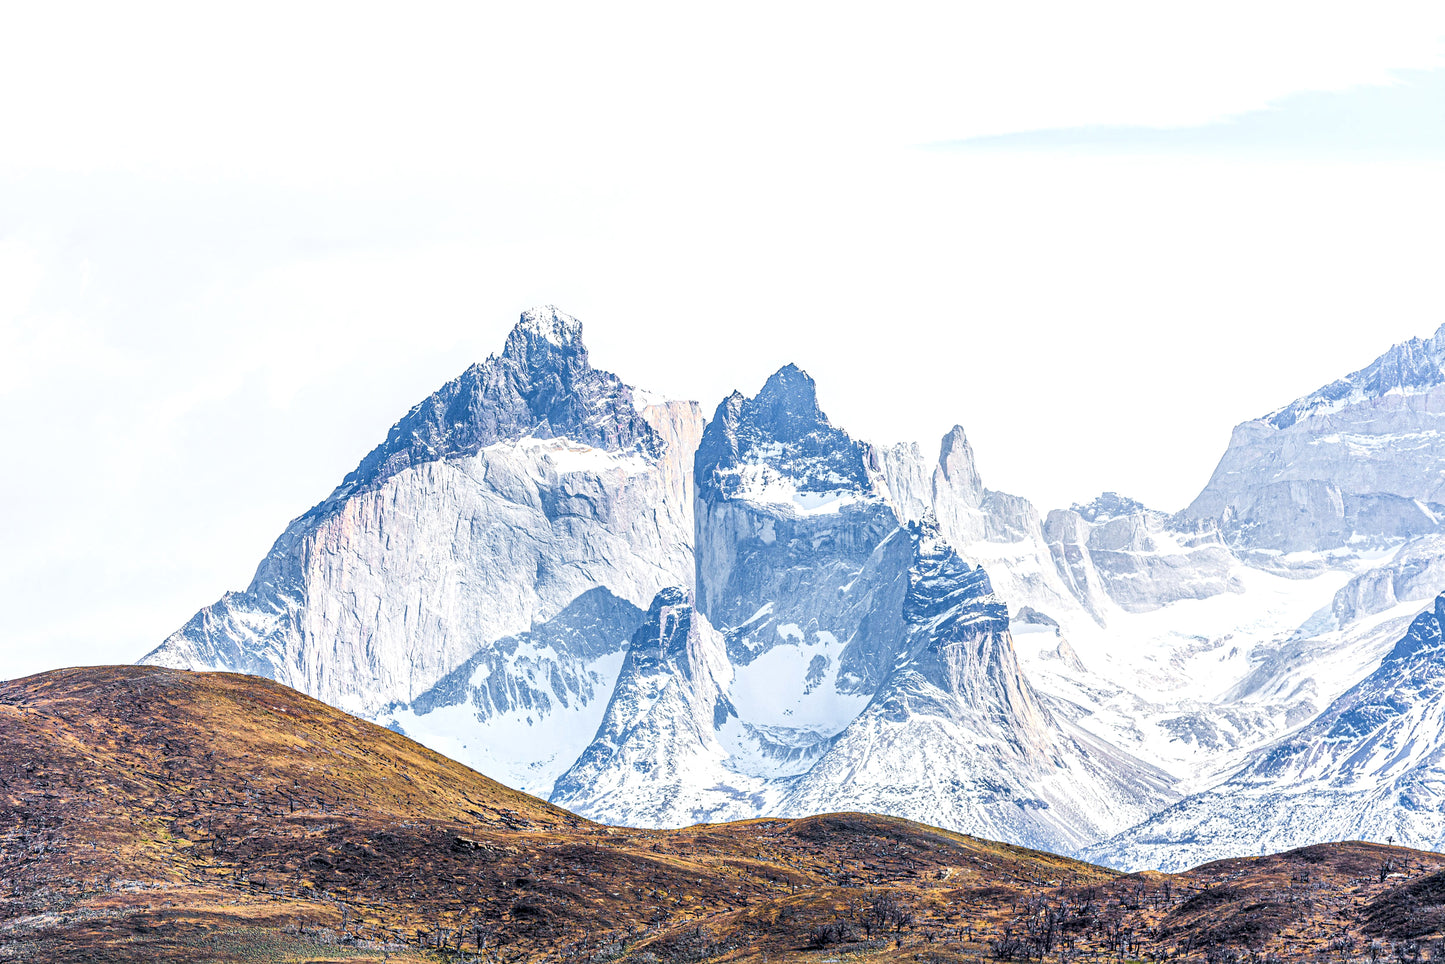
(542, 385)
(547, 324)
(779, 446)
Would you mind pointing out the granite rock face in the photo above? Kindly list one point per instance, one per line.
(1116, 548)
(1358, 462)
(1413, 574)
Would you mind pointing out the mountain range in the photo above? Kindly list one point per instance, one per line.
(655, 618)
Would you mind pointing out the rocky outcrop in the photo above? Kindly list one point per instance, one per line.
(984, 525)
(1117, 550)
(1415, 573)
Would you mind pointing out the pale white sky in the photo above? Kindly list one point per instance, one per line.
(235, 248)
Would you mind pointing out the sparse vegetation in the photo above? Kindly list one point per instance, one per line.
(151, 815)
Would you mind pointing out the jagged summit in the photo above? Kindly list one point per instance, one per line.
(664, 634)
(548, 324)
(788, 403)
(1407, 368)
(958, 469)
(670, 698)
(779, 445)
(1109, 505)
(543, 385)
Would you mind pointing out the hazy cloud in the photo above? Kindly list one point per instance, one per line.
(1403, 120)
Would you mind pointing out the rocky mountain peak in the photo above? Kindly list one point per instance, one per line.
(543, 336)
(1109, 505)
(664, 634)
(957, 469)
(788, 404)
(779, 437)
(542, 385)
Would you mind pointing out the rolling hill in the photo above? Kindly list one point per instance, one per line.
(150, 814)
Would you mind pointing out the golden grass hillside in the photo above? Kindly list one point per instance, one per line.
(158, 815)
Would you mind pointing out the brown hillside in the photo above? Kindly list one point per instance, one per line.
(153, 815)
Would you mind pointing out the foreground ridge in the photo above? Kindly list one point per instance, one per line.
(151, 814)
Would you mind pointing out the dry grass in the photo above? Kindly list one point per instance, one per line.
(154, 815)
